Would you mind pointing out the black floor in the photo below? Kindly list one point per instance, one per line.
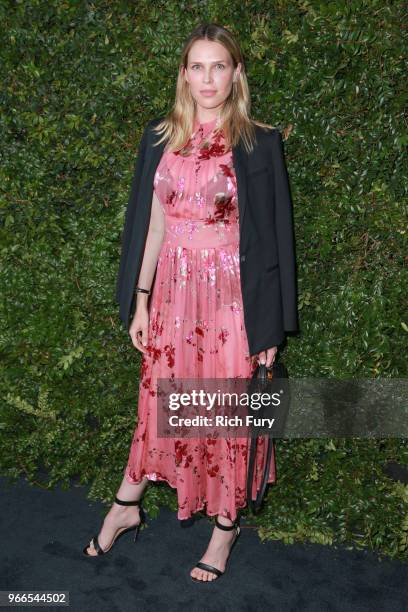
(43, 533)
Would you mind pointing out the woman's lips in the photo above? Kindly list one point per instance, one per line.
(208, 93)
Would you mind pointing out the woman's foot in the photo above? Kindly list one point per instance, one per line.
(217, 552)
(117, 519)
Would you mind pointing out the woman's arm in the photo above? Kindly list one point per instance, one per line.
(138, 330)
(154, 241)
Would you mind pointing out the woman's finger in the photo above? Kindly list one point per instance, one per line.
(144, 335)
(137, 341)
(271, 353)
(270, 359)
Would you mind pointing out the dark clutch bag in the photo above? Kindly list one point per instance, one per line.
(266, 380)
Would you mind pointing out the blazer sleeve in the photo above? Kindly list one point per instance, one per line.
(131, 209)
(284, 234)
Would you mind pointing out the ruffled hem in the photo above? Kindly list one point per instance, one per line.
(154, 478)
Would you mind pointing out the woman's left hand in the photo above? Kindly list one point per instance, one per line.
(268, 356)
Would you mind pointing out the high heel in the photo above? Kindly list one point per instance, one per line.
(120, 532)
(211, 568)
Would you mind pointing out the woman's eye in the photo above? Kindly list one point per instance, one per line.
(198, 66)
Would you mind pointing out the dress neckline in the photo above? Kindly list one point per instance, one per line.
(205, 126)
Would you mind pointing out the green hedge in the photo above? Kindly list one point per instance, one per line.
(79, 82)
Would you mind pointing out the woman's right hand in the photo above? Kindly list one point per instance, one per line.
(139, 327)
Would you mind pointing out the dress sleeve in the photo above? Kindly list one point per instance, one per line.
(284, 234)
(131, 208)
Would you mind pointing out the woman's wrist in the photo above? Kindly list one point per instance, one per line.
(142, 290)
(142, 295)
(141, 298)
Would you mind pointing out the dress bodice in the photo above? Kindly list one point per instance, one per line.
(196, 187)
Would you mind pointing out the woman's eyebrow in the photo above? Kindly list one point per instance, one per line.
(213, 62)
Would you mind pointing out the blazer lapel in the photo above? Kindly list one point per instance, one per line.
(155, 153)
(238, 158)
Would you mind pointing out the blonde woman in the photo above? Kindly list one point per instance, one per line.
(206, 284)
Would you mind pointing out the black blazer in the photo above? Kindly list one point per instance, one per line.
(266, 246)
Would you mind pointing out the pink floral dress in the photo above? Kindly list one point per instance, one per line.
(196, 326)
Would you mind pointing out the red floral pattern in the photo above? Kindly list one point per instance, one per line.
(196, 326)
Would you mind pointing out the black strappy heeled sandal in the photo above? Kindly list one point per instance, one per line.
(211, 568)
(99, 550)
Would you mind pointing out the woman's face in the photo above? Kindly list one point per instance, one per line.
(210, 73)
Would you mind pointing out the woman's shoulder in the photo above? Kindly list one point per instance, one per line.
(150, 125)
(155, 121)
(266, 131)
(269, 138)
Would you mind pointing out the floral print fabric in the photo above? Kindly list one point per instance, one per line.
(196, 326)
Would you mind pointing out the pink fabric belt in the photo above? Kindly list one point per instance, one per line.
(199, 233)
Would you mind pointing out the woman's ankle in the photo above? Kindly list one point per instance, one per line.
(132, 492)
(224, 520)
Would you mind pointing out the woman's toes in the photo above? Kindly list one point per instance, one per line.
(202, 575)
(197, 573)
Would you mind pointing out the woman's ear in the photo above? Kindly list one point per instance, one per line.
(237, 72)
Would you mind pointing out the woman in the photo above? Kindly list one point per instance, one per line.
(222, 292)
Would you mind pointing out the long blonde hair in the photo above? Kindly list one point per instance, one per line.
(177, 126)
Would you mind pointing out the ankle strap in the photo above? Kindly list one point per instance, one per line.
(127, 503)
(225, 527)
